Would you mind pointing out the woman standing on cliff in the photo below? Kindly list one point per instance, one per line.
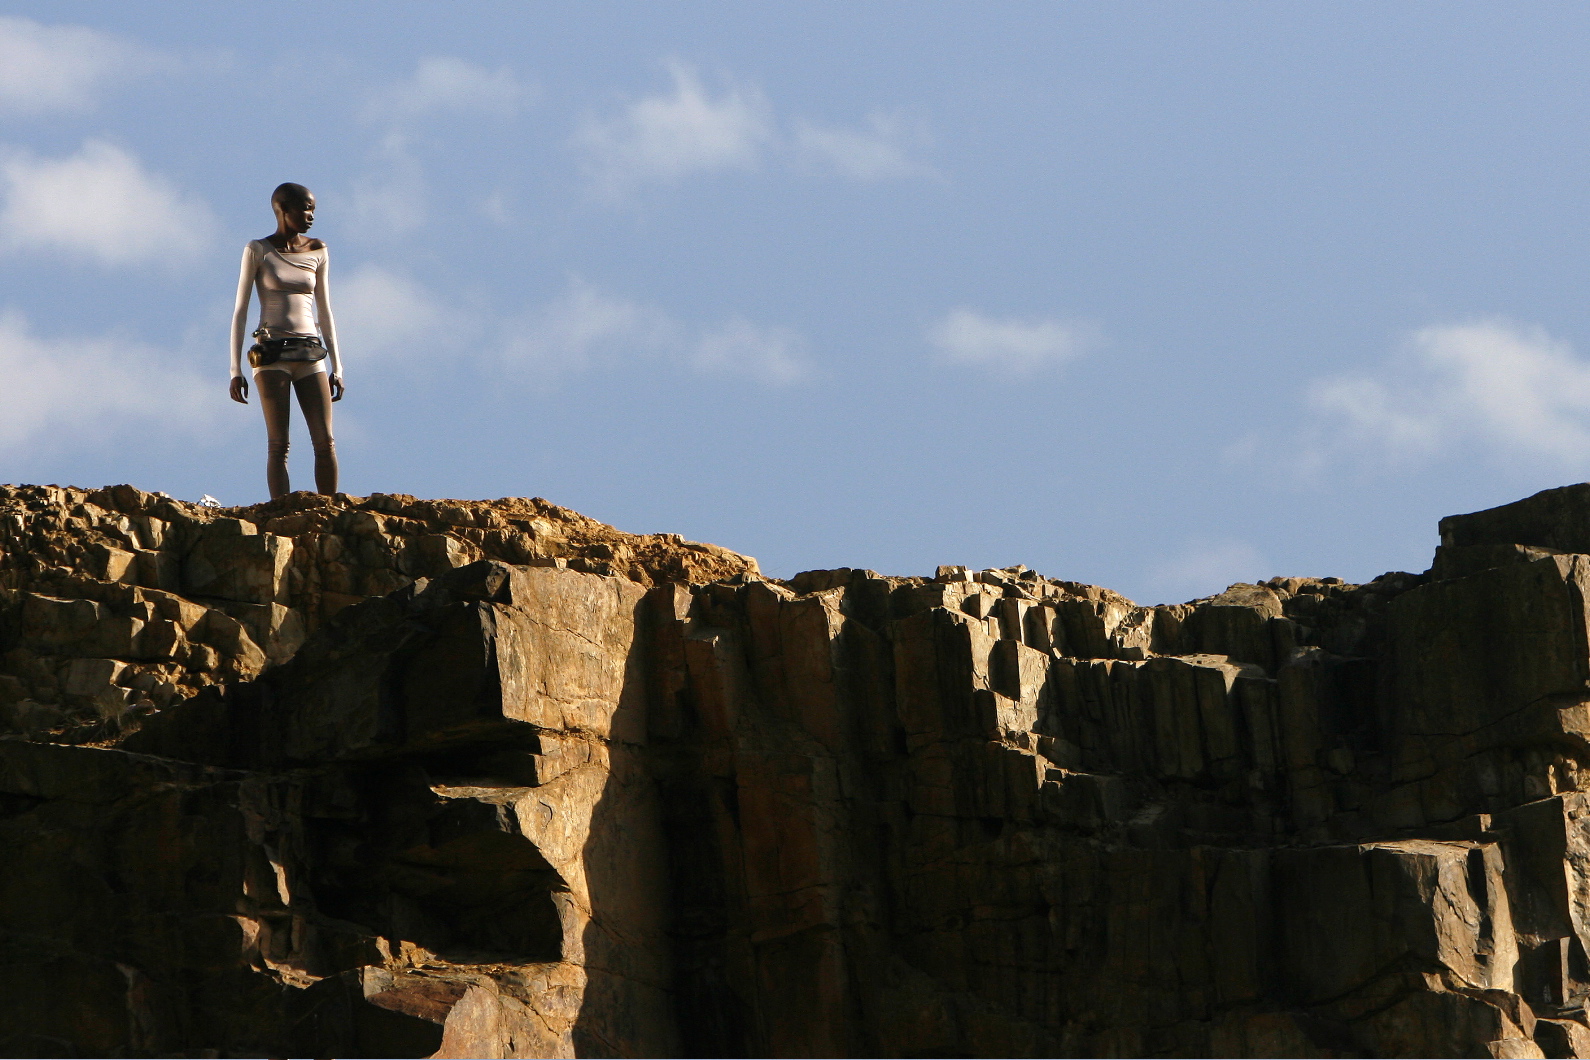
(295, 339)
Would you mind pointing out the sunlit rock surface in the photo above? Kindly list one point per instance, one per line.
(387, 777)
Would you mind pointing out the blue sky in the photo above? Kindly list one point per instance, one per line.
(1154, 295)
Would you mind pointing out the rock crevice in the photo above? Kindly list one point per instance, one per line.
(387, 777)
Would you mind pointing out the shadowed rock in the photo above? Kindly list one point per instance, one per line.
(358, 778)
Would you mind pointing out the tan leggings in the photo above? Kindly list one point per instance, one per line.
(314, 397)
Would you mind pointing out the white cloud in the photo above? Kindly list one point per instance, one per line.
(671, 135)
(386, 313)
(1514, 390)
(100, 203)
(445, 84)
(1008, 344)
(45, 69)
(880, 151)
(63, 390)
(772, 355)
(584, 328)
(581, 326)
(689, 129)
(1365, 411)
(1206, 567)
(390, 200)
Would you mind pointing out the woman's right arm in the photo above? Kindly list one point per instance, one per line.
(245, 286)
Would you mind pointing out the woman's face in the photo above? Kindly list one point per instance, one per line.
(299, 215)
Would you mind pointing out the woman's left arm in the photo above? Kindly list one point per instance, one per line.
(328, 326)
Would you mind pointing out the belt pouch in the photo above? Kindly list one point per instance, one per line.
(297, 348)
(307, 348)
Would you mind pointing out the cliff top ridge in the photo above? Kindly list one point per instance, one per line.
(513, 529)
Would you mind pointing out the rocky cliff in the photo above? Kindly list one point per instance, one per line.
(387, 777)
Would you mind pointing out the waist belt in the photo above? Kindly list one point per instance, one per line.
(291, 348)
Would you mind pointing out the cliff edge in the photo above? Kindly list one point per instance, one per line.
(389, 777)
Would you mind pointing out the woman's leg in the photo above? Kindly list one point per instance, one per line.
(275, 391)
(314, 397)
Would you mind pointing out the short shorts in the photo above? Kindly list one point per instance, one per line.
(295, 370)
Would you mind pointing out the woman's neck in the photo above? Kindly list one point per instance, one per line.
(284, 238)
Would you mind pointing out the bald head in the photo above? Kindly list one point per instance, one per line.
(290, 195)
(294, 206)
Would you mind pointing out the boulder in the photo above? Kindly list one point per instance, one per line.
(1557, 519)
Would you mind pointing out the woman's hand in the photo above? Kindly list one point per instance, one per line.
(336, 388)
(240, 390)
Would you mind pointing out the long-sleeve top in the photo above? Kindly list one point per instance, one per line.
(294, 298)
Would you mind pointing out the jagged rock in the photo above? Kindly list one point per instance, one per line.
(388, 777)
(187, 595)
(1554, 519)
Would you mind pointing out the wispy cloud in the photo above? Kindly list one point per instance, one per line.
(48, 69)
(390, 198)
(390, 316)
(1513, 390)
(70, 391)
(686, 130)
(1204, 567)
(1009, 344)
(100, 203)
(692, 128)
(581, 326)
(495, 207)
(445, 84)
(771, 355)
(879, 150)
(585, 328)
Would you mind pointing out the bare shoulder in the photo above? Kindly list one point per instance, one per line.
(315, 244)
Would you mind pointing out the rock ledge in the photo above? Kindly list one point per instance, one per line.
(388, 777)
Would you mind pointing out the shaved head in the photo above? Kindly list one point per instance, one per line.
(290, 194)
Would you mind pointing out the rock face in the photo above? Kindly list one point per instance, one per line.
(383, 777)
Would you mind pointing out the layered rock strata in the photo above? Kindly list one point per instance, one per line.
(383, 777)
